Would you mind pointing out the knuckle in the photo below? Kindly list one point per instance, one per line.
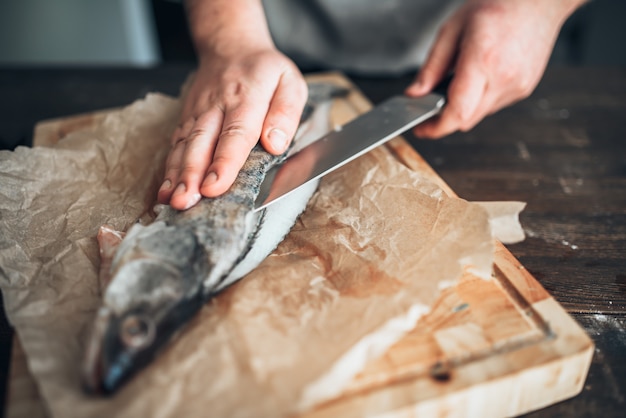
(283, 115)
(234, 90)
(237, 136)
(221, 160)
(490, 56)
(182, 141)
(175, 140)
(195, 134)
(465, 126)
(525, 87)
(238, 92)
(234, 131)
(508, 74)
(189, 170)
(186, 170)
(177, 136)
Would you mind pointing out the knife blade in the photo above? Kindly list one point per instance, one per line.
(389, 119)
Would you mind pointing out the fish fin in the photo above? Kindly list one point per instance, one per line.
(109, 240)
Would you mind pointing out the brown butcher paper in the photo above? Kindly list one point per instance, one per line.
(363, 263)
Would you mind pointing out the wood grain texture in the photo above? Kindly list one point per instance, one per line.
(481, 336)
(563, 151)
(504, 339)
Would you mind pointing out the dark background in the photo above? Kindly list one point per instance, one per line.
(593, 36)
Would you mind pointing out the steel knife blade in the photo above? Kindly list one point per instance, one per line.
(389, 119)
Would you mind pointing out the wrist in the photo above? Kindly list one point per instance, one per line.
(228, 28)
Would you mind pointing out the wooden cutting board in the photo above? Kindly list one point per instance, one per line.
(490, 348)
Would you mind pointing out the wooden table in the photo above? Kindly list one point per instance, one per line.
(563, 151)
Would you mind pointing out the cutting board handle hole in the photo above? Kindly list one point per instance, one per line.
(440, 372)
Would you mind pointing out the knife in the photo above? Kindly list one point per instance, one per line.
(387, 120)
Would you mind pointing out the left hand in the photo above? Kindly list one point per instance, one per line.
(498, 50)
(233, 103)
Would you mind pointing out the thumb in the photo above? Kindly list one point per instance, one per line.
(284, 112)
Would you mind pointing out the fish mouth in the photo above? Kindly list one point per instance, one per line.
(108, 362)
(93, 367)
(121, 345)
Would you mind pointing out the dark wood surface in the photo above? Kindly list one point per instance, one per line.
(563, 151)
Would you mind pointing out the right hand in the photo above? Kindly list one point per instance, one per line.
(233, 102)
(498, 50)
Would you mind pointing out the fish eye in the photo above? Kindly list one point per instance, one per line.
(137, 331)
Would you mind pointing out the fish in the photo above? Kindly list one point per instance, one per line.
(161, 274)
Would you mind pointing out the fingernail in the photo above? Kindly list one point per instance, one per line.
(278, 139)
(195, 198)
(210, 179)
(167, 184)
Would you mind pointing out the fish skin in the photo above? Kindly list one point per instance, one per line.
(163, 273)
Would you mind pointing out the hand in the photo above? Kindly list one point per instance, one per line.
(498, 50)
(233, 102)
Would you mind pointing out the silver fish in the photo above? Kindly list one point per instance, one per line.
(162, 274)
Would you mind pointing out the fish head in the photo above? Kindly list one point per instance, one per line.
(150, 297)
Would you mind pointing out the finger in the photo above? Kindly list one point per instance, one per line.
(465, 94)
(172, 168)
(489, 104)
(505, 99)
(183, 130)
(240, 132)
(174, 159)
(450, 120)
(176, 135)
(284, 113)
(198, 153)
(440, 59)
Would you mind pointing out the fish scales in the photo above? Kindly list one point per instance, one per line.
(161, 274)
(226, 223)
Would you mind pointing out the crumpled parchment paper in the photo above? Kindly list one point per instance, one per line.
(362, 264)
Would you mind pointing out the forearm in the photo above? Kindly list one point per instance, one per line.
(225, 27)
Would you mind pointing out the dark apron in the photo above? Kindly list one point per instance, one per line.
(375, 37)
